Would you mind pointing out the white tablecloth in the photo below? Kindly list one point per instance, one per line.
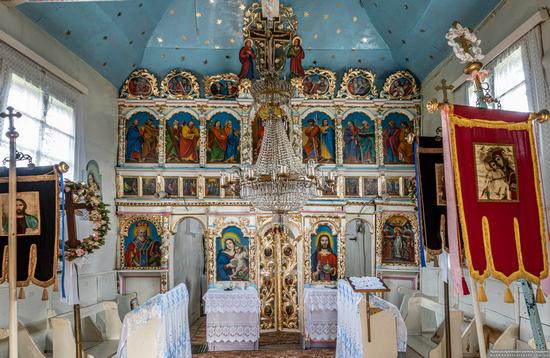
(320, 313)
(232, 318)
(349, 338)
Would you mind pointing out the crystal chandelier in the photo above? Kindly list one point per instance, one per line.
(278, 182)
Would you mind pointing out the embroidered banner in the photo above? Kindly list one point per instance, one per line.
(498, 195)
(432, 192)
(37, 225)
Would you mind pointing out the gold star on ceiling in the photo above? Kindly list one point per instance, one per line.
(183, 38)
(338, 31)
(306, 13)
(232, 40)
(219, 21)
(354, 19)
(338, 4)
(242, 7)
(198, 14)
(315, 36)
(325, 17)
(172, 12)
(206, 42)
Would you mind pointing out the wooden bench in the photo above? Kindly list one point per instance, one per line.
(421, 313)
(94, 343)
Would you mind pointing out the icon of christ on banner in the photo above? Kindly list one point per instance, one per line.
(495, 172)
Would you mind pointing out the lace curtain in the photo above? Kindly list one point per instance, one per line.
(29, 85)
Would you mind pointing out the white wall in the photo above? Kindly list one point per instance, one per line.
(100, 143)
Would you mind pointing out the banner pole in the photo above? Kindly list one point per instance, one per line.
(534, 318)
(479, 320)
(12, 233)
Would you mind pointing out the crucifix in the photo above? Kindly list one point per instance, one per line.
(270, 36)
(443, 87)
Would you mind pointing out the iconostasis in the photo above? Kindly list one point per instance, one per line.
(177, 135)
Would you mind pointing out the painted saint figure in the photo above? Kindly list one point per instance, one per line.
(232, 149)
(217, 142)
(134, 141)
(25, 221)
(150, 134)
(311, 140)
(324, 262)
(391, 142)
(367, 142)
(247, 56)
(296, 54)
(189, 139)
(405, 149)
(173, 140)
(352, 149)
(327, 142)
(143, 251)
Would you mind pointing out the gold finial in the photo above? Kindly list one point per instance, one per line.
(443, 87)
(433, 105)
(542, 116)
(62, 167)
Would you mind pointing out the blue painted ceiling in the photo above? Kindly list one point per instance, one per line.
(204, 36)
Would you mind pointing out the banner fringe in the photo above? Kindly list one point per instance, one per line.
(508, 296)
(45, 294)
(481, 295)
(540, 296)
(21, 295)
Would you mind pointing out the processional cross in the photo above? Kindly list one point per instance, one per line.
(443, 87)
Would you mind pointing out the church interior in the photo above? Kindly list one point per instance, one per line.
(274, 178)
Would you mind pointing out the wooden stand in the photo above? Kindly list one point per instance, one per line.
(366, 293)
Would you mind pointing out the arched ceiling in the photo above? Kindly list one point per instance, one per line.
(204, 36)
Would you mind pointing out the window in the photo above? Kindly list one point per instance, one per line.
(507, 82)
(47, 127)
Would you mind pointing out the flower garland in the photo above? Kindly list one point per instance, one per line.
(98, 215)
(464, 43)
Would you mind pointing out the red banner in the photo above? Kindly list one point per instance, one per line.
(498, 194)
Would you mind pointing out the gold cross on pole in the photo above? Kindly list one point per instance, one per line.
(443, 87)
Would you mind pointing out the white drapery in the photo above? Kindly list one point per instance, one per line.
(64, 102)
(173, 339)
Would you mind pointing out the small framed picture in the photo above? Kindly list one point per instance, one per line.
(171, 186)
(149, 186)
(370, 186)
(352, 187)
(392, 186)
(212, 187)
(130, 186)
(189, 187)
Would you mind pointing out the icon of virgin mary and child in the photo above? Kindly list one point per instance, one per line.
(232, 259)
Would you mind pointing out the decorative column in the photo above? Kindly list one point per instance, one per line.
(339, 135)
(162, 138)
(246, 134)
(121, 136)
(203, 137)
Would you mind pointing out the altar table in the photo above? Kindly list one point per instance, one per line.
(232, 319)
(320, 316)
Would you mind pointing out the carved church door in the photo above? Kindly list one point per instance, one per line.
(278, 282)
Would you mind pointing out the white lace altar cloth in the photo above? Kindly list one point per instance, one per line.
(173, 339)
(320, 313)
(232, 317)
(367, 283)
(349, 342)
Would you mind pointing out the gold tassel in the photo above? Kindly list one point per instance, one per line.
(508, 296)
(45, 294)
(21, 294)
(481, 296)
(55, 286)
(540, 296)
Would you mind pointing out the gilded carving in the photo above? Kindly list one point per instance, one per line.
(317, 83)
(358, 84)
(178, 84)
(400, 86)
(140, 84)
(222, 86)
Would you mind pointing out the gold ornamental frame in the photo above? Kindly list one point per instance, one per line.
(144, 73)
(165, 90)
(337, 230)
(159, 221)
(209, 80)
(210, 247)
(380, 221)
(350, 75)
(415, 90)
(328, 74)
